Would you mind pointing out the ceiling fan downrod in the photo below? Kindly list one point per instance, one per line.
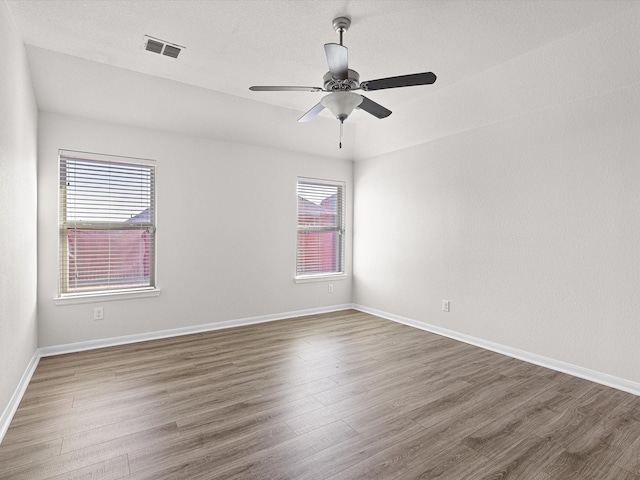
(341, 25)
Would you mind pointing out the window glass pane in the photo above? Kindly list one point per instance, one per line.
(110, 192)
(318, 252)
(108, 259)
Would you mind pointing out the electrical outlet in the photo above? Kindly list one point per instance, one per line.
(331, 288)
(446, 306)
(98, 313)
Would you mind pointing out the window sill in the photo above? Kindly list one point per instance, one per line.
(106, 296)
(321, 278)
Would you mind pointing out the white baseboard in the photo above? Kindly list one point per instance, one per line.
(174, 332)
(576, 371)
(14, 401)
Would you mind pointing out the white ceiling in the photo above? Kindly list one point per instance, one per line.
(87, 59)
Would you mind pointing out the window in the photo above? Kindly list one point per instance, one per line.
(320, 228)
(107, 224)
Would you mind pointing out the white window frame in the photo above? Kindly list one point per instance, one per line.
(67, 294)
(339, 228)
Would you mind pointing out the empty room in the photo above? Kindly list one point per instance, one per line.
(320, 239)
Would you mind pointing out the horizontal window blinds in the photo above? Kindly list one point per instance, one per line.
(107, 223)
(320, 247)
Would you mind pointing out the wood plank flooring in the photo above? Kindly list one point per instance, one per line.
(344, 395)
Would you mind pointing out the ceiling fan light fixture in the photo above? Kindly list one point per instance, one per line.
(341, 104)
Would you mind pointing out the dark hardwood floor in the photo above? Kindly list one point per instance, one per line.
(344, 395)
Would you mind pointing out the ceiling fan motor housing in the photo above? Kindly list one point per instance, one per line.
(351, 83)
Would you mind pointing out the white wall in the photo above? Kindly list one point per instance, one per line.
(18, 150)
(529, 226)
(226, 231)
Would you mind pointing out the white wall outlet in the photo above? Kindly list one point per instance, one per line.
(446, 306)
(331, 288)
(98, 313)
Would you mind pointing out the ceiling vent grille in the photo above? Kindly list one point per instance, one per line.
(153, 46)
(171, 51)
(156, 45)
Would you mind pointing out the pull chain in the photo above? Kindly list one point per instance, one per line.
(341, 124)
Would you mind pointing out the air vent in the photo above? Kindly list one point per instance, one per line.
(156, 45)
(171, 51)
(153, 46)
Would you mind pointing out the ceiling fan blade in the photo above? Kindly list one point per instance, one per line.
(284, 89)
(373, 108)
(337, 59)
(426, 78)
(311, 113)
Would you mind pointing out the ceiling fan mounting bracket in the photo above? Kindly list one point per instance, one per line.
(341, 24)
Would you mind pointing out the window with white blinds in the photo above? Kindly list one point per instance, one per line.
(320, 248)
(107, 224)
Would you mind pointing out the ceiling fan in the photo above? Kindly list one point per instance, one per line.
(340, 81)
